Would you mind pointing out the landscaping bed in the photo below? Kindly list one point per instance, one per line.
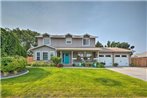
(12, 75)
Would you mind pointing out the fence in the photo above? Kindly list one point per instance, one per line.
(29, 59)
(139, 61)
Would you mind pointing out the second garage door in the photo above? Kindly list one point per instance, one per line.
(121, 59)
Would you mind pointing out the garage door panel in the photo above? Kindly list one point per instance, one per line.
(106, 60)
(122, 60)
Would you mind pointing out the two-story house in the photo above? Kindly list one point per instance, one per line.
(77, 48)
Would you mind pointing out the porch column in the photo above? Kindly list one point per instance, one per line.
(61, 56)
(71, 57)
(98, 56)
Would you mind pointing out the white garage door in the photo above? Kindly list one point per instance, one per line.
(121, 59)
(107, 59)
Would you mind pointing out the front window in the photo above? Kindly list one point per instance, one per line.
(45, 55)
(46, 41)
(38, 55)
(86, 41)
(68, 40)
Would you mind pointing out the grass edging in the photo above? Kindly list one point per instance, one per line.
(27, 71)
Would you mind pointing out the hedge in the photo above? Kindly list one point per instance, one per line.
(13, 64)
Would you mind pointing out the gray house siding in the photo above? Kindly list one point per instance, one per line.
(76, 42)
(60, 42)
(40, 41)
(42, 49)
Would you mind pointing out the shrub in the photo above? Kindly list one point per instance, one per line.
(103, 63)
(83, 64)
(94, 64)
(100, 65)
(13, 64)
(115, 64)
(132, 65)
(88, 64)
(73, 64)
(56, 60)
(59, 65)
(42, 64)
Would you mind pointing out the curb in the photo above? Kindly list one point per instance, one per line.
(15, 75)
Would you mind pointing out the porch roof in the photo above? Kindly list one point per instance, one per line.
(104, 49)
(114, 49)
(79, 49)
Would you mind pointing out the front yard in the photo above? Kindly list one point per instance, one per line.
(64, 82)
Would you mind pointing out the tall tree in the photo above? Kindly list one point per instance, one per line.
(10, 44)
(98, 44)
(16, 41)
(108, 44)
(124, 45)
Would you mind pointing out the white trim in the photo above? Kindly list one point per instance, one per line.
(66, 41)
(48, 39)
(47, 54)
(36, 55)
(83, 44)
(42, 46)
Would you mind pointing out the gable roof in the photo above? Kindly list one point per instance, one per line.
(41, 46)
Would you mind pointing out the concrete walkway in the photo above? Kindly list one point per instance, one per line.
(137, 72)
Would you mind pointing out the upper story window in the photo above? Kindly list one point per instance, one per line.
(68, 41)
(86, 41)
(46, 41)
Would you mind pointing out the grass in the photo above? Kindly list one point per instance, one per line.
(62, 82)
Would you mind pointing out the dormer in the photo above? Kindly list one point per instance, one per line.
(46, 39)
(68, 39)
(86, 36)
(86, 40)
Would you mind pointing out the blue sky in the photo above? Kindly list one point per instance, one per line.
(114, 21)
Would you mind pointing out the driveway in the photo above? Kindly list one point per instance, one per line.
(137, 72)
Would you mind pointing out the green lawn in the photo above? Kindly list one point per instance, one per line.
(62, 82)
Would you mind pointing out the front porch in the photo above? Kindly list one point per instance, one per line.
(70, 57)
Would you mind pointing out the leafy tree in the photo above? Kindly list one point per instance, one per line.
(108, 44)
(10, 44)
(124, 45)
(98, 44)
(16, 41)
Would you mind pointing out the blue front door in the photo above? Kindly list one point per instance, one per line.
(66, 58)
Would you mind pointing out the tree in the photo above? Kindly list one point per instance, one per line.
(108, 44)
(10, 44)
(124, 45)
(16, 41)
(98, 44)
